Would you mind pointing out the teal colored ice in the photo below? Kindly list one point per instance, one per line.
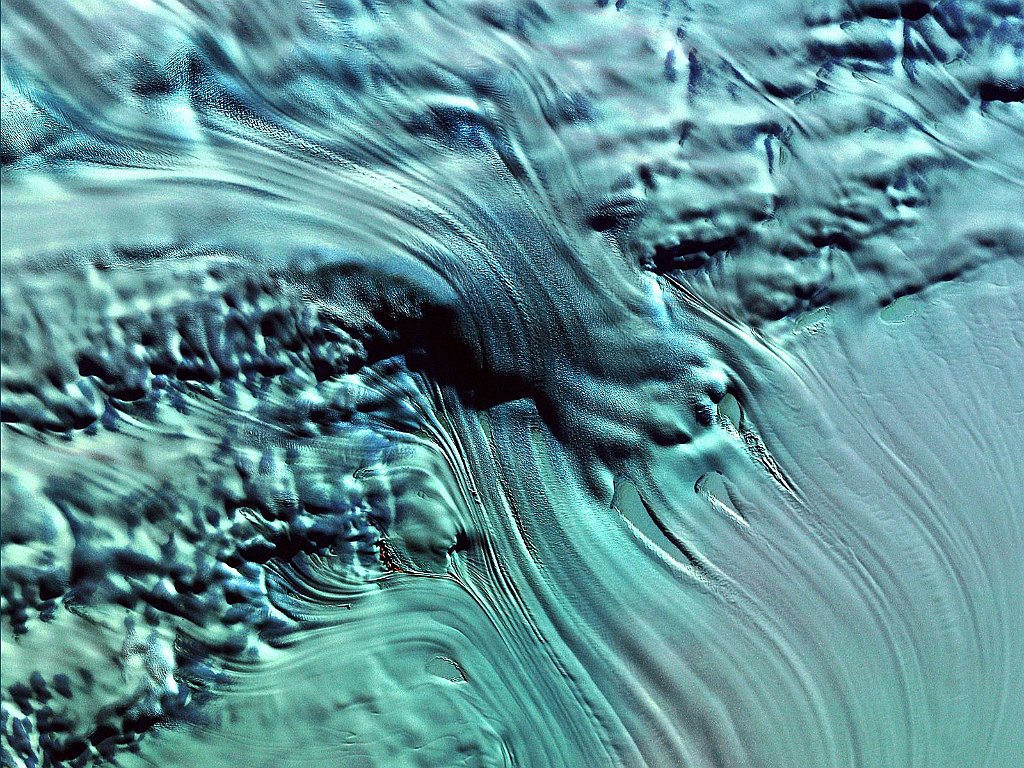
(512, 384)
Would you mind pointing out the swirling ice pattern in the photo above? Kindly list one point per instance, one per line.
(513, 384)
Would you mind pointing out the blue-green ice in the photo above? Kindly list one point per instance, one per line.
(512, 384)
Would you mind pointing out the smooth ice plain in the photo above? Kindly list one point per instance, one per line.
(512, 384)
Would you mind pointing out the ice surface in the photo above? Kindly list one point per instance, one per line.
(513, 384)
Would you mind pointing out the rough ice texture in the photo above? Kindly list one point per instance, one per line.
(513, 384)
